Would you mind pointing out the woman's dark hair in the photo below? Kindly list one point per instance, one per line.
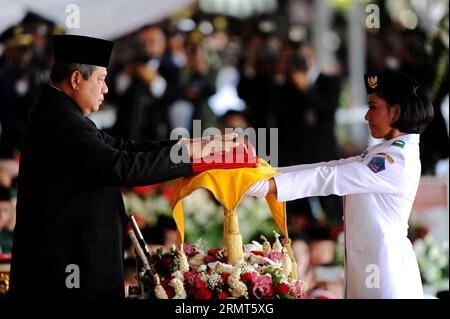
(61, 71)
(416, 110)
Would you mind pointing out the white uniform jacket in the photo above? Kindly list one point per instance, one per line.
(379, 188)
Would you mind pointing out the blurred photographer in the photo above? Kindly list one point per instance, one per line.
(307, 101)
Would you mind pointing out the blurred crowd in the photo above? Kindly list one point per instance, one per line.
(228, 74)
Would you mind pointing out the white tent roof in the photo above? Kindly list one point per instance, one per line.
(107, 19)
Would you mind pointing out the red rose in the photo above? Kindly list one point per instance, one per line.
(190, 250)
(224, 276)
(282, 289)
(247, 277)
(213, 251)
(164, 265)
(263, 288)
(298, 292)
(165, 262)
(255, 277)
(188, 276)
(422, 232)
(276, 256)
(170, 291)
(199, 283)
(222, 295)
(203, 293)
(208, 259)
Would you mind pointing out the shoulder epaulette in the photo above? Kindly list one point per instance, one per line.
(399, 143)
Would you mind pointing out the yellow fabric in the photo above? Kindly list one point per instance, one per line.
(228, 186)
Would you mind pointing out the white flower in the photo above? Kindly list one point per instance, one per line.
(266, 245)
(254, 246)
(157, 204)
(182, 260)
(432, 258)
(434, 253)
(248, 268)
(160, 293)
(419, 247)
(221, 267)
(260, 260)
(432, 273)
(286, 262)
(201, 244)
(199, 202)
(442, 259)
(277, 247)
(196, 261)
(177, 283)
(237, 287)
(214, 280)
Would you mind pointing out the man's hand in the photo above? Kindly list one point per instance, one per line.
(201, 147)
(219, 152)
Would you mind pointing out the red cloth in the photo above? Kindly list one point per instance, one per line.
(237, 157)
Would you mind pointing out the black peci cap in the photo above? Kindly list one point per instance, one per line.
(82, 49)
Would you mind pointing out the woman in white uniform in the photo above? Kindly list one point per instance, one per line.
(379, 188)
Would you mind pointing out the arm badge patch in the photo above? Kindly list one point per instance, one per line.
(377, 164)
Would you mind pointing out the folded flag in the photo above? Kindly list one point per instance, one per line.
(238, 157)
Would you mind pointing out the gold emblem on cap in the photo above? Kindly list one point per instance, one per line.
(372, 81)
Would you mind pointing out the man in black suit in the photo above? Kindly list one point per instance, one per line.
(70, 213)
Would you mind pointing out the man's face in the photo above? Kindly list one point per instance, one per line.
(91, 92)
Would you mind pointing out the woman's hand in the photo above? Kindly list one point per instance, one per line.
(262, 187)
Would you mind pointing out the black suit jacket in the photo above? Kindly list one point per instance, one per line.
(69, 206)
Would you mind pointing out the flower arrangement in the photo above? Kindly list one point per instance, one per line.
(432, 256)
(203, 214)
(191, 273)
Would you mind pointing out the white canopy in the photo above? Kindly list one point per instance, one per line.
(107, 19)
